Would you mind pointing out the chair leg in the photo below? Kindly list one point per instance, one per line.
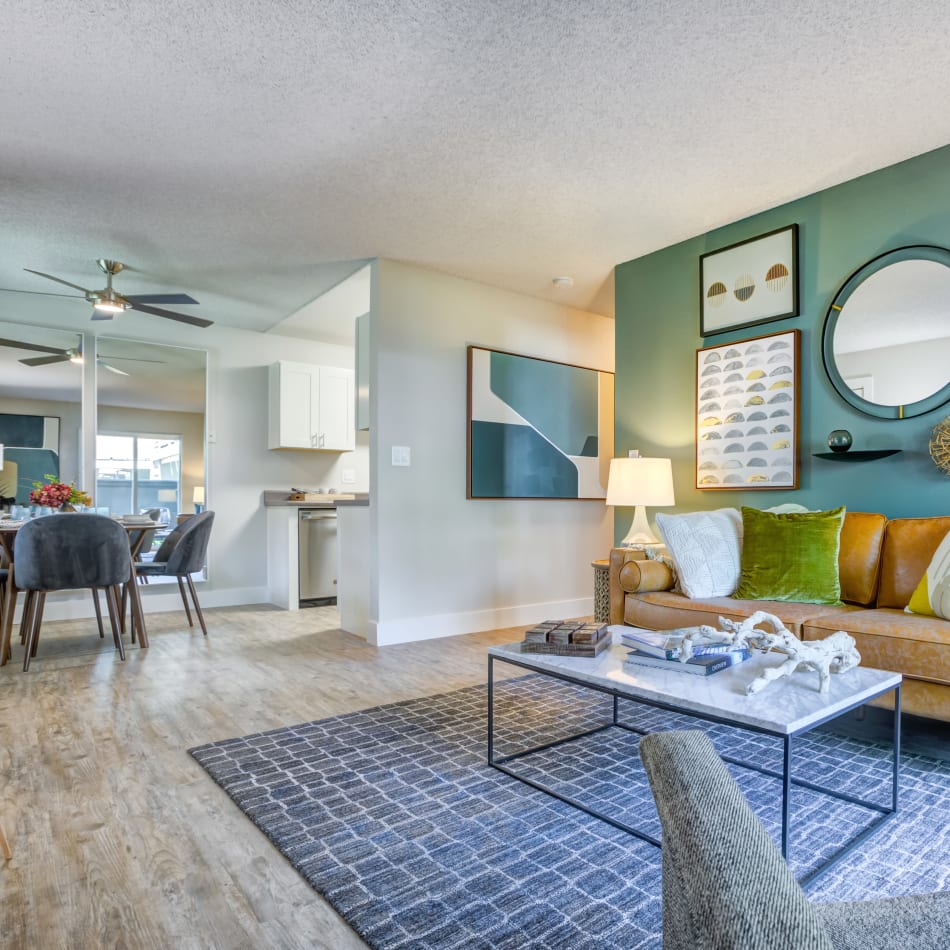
(35, 618)
(124, 602)
(122, 598)
(113, 607)
(184, 599)
(4, 846)
(27, 605)
(6, 619)
(95, 600)
(194, 597)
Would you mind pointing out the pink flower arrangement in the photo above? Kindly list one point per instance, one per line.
(56, 494)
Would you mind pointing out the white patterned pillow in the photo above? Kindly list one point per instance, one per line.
(706, 547)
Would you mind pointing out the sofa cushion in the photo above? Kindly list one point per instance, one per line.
(932, 596)
(791, 557)
(889, 639)
(705, 546)
(641, 575)
(859, 557)
(909, 545)
(666, 610)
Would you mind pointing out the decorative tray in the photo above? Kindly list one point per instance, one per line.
(566, 638)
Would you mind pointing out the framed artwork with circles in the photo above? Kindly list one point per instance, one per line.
(752, 282)
(747, 398)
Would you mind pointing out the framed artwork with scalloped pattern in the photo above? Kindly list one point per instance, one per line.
(747, 398)
(749, 283)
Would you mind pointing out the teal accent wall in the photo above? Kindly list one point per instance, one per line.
(657, 334)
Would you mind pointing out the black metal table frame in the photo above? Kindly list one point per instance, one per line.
(886, 812)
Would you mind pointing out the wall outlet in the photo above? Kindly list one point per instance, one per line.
(401, 455)
(348, 476)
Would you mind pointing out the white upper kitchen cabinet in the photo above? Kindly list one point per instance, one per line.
(311, 407)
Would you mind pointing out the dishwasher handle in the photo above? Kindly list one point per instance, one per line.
(318, 515)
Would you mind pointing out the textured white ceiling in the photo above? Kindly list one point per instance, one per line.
(247, 151)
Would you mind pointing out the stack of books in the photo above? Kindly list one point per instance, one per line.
(566, 638)
(661, 649)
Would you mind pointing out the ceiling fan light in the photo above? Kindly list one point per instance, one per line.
(109, 302)
(76, 358)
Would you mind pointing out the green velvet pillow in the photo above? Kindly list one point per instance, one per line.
(790, 557)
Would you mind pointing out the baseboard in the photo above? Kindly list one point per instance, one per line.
(156, 598)
(452, 625)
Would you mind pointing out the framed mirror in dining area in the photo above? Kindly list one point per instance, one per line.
(150, 436)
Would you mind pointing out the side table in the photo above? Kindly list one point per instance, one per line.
(602, 581)
(601, 590)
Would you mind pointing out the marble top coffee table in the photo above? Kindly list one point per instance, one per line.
(786, 709)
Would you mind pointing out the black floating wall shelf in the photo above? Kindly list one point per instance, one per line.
(867, 455)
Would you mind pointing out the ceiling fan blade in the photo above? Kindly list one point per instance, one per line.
(44, 360)
(112, 369)
(170, 314)
(41, 293)
(59, 280)
(17, 345)
(159, 298)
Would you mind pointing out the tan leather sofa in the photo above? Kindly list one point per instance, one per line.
(880, 564)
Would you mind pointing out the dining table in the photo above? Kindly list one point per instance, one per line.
(138, 529)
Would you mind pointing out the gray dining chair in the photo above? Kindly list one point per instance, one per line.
(182, 554)
(68, 552)
(148, 537)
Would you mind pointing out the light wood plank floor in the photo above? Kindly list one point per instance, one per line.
(119, 838)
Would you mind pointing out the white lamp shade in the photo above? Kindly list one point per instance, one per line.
(199, 496)
(640, 481)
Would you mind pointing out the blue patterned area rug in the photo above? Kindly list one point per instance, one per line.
(394, 817)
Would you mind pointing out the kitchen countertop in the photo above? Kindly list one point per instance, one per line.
(281, 499)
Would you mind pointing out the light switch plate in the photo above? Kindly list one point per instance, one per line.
(348, 476)
(401, 455)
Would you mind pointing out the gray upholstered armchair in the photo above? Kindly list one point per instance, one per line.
(726, 885)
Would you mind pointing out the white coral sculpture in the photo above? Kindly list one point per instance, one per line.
(836, 653)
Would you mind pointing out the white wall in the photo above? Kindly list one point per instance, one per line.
(239, 465)
(442, 564)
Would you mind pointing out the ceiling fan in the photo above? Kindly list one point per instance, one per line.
(108, 302)
(72, 355)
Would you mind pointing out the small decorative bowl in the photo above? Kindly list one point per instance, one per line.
(839, 440)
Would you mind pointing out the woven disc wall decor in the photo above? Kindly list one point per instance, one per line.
(940, 445)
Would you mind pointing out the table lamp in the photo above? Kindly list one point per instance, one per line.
(199, 498)
(637, 483)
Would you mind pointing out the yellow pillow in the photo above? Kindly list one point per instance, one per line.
(932, 596)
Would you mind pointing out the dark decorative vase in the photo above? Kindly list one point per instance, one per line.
(839, 440)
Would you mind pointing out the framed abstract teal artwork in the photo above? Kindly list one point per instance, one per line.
(537, 429)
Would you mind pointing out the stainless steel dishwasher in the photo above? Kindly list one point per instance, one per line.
(317, 545)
